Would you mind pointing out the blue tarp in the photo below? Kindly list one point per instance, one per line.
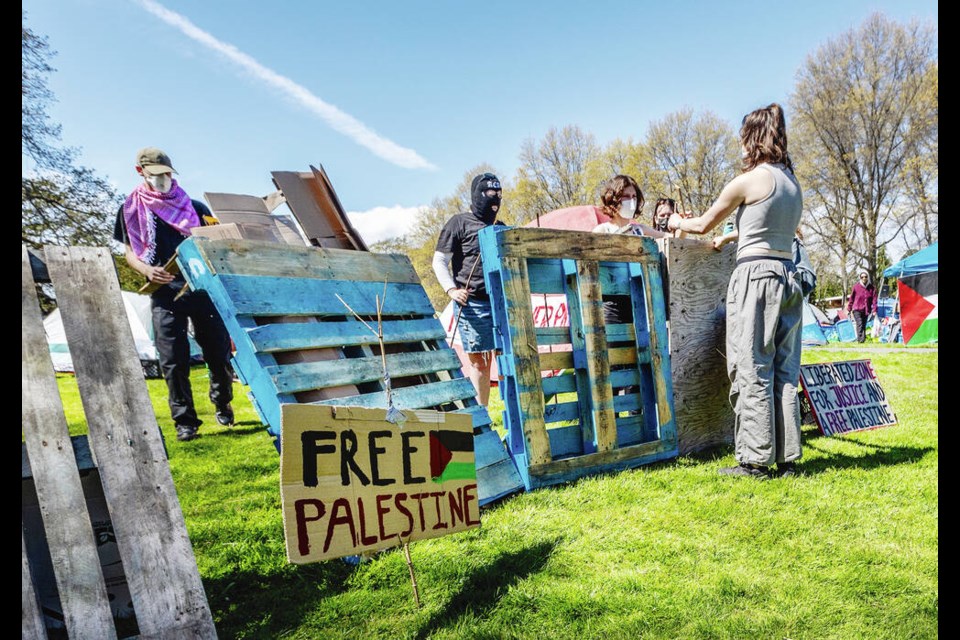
(921, 262)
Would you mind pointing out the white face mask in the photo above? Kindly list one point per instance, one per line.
(628, 207)
(161, 183)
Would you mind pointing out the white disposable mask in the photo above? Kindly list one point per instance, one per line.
(628, 207)
(161, 183)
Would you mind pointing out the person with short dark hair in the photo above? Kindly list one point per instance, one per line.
(459, 245)
(862, 303)
(764, 297)
(151, 223)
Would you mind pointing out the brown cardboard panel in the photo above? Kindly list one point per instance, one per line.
(352, 482)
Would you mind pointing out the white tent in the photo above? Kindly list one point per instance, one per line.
(139, 317)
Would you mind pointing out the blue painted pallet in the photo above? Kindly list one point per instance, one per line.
(290, 313)
(612, 407)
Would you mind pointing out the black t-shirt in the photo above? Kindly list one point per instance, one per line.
(459, 237)
(168, 238)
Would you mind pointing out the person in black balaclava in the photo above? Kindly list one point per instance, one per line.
(459, 246)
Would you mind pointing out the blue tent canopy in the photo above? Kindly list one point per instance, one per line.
(921, 262)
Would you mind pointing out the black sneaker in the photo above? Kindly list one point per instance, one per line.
(225, 416)
(185, 433)
(786, 470)
(747, 470)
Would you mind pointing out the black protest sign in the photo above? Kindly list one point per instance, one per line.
(846, 396)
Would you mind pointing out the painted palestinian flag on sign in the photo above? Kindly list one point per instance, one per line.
(919, 309)
(451, 456)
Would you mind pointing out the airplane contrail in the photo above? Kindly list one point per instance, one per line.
(340, 121)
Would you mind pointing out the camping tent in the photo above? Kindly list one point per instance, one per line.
(918, 290)
(139, 317)
(813, 321)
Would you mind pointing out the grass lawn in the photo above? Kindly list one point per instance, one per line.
(849, 549)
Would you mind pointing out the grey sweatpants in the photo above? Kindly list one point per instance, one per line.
(764, 318)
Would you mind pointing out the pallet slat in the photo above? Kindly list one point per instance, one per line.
(271, 296)
(302, 335)
(73, 550)
(151, 535)
(292, 378)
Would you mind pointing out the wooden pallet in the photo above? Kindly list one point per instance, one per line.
(262, 289)
(123, 447)
(596, 421)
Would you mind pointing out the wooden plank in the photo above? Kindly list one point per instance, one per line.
(251, 257)
(31, 621)
(526, 359)
(598, 364)
(73, 550)
(479, 413)
(288, 337)
(151, 535)
(420, 397)
(552, 335)
(268, 296)
(292, 378)
(660, 354)
(587, 431)
(698, 278)
(597, 460)
(561, 412)
(559, 360)
(641, 319)
(565, 441)
(293, 358)
(488, 449)
(531, 242)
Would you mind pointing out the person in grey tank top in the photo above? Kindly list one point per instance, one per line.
(764, 298)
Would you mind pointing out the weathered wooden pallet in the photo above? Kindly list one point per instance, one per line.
(259, 288)
(125, 448)
(614, 408)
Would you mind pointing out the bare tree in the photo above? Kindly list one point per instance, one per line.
(693, 157)
(862, 118)
(553, 173)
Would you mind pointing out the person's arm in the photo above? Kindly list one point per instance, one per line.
(157, 275)
(746, 188)
(726, 238)
(653, 233)
(441, 268)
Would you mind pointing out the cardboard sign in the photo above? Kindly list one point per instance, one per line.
(846, 396)
(352, 482)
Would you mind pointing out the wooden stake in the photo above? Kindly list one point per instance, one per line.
(413, 578)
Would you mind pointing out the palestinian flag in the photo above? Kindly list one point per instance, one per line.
(451, 456)
(919, 311)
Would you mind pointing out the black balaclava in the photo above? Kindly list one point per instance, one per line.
(482, 205)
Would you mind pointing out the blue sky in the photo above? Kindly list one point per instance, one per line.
(397, 100)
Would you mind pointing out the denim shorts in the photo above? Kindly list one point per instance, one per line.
(476, 325)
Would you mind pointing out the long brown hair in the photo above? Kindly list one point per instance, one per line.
(763, 134)
(613, 189)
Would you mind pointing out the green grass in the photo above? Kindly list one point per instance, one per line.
(849, 549)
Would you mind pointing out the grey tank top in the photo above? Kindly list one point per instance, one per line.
(767, 227)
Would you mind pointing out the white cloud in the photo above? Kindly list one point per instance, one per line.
(383, 223)
(337, 119)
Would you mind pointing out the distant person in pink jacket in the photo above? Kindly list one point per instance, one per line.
(862, 303)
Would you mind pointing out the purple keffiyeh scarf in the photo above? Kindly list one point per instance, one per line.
(173, 207)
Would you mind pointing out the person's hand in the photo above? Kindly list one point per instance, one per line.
(673, 222)
(459, 295)
(719, 241)
(158, 275)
